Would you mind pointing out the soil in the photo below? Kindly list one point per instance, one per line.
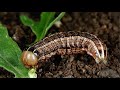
(105, 25)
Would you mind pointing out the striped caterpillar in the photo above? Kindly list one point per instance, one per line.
(65, 43)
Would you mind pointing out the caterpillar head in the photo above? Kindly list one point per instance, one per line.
(29, 59)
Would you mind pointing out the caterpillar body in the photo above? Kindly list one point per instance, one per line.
(65, 43)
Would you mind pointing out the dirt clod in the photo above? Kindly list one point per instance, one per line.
(108, 72)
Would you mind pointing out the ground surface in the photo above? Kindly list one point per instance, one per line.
(105, 25)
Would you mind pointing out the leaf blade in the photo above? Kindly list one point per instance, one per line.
(41, 27)
(46, 18)
(56, 19)
(10, 55)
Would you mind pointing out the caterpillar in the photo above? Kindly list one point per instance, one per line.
(63, 43)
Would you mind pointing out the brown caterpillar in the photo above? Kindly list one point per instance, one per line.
(65, 43)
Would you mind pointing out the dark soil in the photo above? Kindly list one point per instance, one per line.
(105, 25)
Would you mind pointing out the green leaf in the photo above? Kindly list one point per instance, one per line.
(32, 73)
(26, 20)
(10, 55)
(46, 19)
(40, 28)
(49, 25)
